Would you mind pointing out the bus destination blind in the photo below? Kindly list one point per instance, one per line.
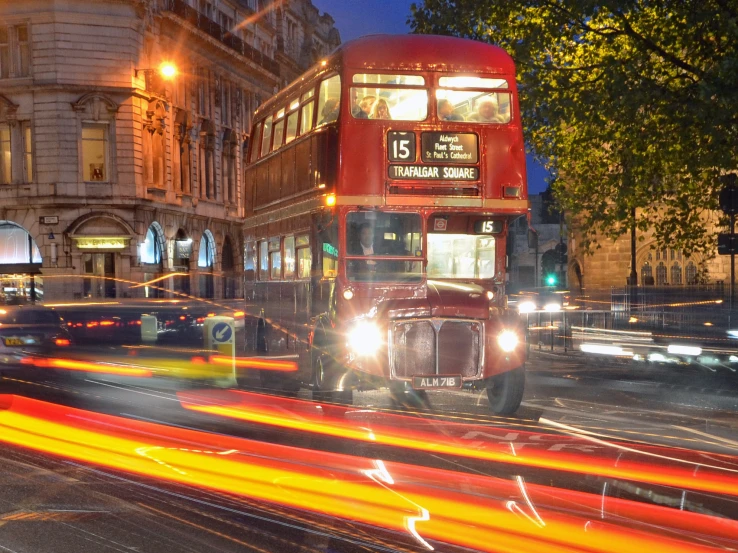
(433, 172)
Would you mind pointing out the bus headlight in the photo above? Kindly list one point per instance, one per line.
(364, 339)
(508, 340)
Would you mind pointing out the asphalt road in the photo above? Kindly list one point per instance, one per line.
(53, 504)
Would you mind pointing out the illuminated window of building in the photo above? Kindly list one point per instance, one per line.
(95, 152)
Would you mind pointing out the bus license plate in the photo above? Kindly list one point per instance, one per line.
(437, 381)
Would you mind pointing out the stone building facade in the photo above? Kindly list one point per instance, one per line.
(110, 175)
(656, 265)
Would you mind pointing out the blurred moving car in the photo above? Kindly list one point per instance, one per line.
(538, 299)
(29, 330)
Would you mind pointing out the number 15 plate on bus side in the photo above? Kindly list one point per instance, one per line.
(437, 381)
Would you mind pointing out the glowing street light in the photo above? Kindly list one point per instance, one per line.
(168, 70)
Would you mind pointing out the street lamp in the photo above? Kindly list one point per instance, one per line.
(167, 70)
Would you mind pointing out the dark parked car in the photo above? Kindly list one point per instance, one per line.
(29, 330)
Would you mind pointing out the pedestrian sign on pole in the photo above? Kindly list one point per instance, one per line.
(222, 333)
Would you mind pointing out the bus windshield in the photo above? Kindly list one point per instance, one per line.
(461, 256)
(374, 235)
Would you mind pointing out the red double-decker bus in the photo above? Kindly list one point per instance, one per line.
(379, 189)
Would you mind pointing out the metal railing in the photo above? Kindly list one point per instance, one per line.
(212, 28)
(632, 316)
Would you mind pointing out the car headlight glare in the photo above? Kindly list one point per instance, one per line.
(527, 307)
(508, 340)
(364, 338)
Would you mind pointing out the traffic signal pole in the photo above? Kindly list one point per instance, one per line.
(727, 242)
(732, 264)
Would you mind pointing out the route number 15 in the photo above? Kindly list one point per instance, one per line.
(401, 146)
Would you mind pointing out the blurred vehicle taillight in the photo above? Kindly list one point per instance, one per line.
(62, 342)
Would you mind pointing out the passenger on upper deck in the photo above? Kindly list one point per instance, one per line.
(329, 113)
(380, 110)
(487, 112)
(446, 111)
(363, 108)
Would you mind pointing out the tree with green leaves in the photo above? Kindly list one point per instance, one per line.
(633, 104)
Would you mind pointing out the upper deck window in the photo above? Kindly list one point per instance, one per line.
(291, 127)
(472, 82)
(399, 104)
(376, 78)
(278, 134)
(329, 100)
(473, 106)
(266, 137)
(256, 142)
(306, 117)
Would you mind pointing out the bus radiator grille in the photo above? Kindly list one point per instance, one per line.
(435, 346)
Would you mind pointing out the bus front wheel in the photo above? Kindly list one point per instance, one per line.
(505, 391)
(325, 370)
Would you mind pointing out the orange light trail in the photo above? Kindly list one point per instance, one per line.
(464, 509)
(159, 279)
(446, 437)
(255, 363)
(85, 366)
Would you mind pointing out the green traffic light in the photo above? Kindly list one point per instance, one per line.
(551, 280)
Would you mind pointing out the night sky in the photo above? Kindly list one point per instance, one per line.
(355, 19)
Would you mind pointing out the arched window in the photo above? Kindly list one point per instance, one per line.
(151, 253)
(661, 274)
(646, 273)
(206, 258)
(206, 261)
(691, 273)
(17, 245)
(152, 247)
(676, 273)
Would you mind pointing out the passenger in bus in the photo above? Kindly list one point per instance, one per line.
(329, 113)
(380, 110)
(487, 112)
(364, 107)
(446, 111)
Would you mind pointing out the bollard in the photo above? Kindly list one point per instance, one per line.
(220, 335)
(149, 329)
